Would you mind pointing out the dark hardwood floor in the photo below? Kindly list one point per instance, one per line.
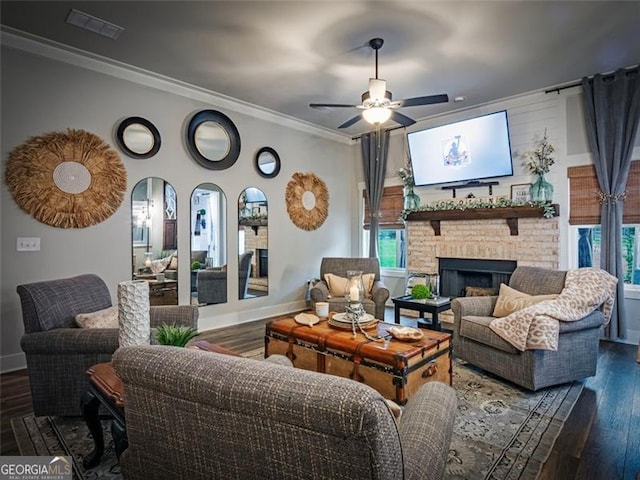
(600, 440)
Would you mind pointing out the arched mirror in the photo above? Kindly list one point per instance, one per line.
(208, 245)
(154, 238)
(138, 137)
(267, 162)
(213, 140)
(253, 244)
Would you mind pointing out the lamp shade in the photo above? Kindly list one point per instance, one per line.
(375, 115)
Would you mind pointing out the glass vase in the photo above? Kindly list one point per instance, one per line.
(411, 200)
(541, 190)
(354, 290)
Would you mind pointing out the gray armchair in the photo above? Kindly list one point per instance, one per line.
(269, 421)
(211, 286)
(374, 305)
(59, 353)
(475, 342)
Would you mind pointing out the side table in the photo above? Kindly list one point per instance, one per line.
(429, 305)
(105, 389)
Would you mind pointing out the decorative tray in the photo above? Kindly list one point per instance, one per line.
(347, 326)
(406, 334)
(344, 318)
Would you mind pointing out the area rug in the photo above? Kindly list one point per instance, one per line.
(501, 431)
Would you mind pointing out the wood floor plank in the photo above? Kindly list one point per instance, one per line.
(632, 461)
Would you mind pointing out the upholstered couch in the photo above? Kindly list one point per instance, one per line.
(376, 299)
(476, 343)
(229, 417)
(58, 352)
(212, 282)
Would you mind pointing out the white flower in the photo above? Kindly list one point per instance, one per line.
(540, 160)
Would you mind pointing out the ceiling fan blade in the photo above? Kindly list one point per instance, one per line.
(428, 100)
(331, 105)
(402, 119)
(351, 121)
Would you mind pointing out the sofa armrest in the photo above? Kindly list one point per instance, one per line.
(78, 341)
(319, 291)
(425, 429)
(477, 306)
(181, 315)
(379, 292)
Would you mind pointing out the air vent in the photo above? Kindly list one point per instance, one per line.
(94, 24)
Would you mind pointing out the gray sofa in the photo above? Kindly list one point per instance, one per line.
(234, 418)
(475, 342)
(374, 305)
(59, 353)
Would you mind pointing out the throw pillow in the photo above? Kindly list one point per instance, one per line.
(338, 284)
(511, 300)
(107, 318)
(173, 265)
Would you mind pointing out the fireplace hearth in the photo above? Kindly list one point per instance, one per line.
(458, 273)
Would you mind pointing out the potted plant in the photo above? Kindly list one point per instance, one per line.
(174, 335)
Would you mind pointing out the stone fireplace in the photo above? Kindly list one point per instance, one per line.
(489, 246)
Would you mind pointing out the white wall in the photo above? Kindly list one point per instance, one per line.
(42, 95)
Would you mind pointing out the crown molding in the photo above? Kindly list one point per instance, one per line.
(36, 45)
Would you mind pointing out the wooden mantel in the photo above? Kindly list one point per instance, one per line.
(510, 214)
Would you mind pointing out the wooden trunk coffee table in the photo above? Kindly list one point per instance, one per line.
(396, 371)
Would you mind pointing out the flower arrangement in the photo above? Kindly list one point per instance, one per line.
(547, 207)
(406, 176)
(540, 160)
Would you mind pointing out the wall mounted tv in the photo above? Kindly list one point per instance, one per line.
(464, 151)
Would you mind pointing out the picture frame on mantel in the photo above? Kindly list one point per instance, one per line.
(520, 192)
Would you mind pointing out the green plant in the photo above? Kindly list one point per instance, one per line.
(420, 291)
(174, 335)
(195, 265)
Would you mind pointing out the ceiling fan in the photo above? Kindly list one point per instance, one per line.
(377, 104)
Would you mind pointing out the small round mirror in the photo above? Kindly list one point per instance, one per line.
(138, 137)
(267, 162)
(213, 140)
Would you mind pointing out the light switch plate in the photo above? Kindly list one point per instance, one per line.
(28, 244)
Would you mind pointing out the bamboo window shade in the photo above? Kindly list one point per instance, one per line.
(391, 207)
(584, 203)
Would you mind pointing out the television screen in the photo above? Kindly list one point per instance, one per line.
(463, 151)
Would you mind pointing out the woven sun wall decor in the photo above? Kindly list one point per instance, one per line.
(69, 179)
(307, 200)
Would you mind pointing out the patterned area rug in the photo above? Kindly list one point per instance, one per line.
(501, 431)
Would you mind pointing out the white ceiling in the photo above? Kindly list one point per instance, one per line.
(283, 55)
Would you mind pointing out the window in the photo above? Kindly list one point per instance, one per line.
(587, 239)
(391, 235)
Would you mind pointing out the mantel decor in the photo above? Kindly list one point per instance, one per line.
(69, 179)
(307, 200)
(508, 209)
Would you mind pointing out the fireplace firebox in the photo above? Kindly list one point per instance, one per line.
(458, 273)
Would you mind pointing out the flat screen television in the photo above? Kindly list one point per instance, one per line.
(464, 151)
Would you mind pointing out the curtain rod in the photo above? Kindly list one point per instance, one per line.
(606, 76)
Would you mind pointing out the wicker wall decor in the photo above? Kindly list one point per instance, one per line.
(69, 179)
(307, 201)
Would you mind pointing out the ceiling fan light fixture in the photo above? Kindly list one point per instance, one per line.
(377, 89)
(375, 115)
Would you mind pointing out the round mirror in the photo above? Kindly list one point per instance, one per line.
(138, 137)
(267, 162)
(213, 140)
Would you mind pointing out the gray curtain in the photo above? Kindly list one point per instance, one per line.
(375, 149)
(612, 106)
